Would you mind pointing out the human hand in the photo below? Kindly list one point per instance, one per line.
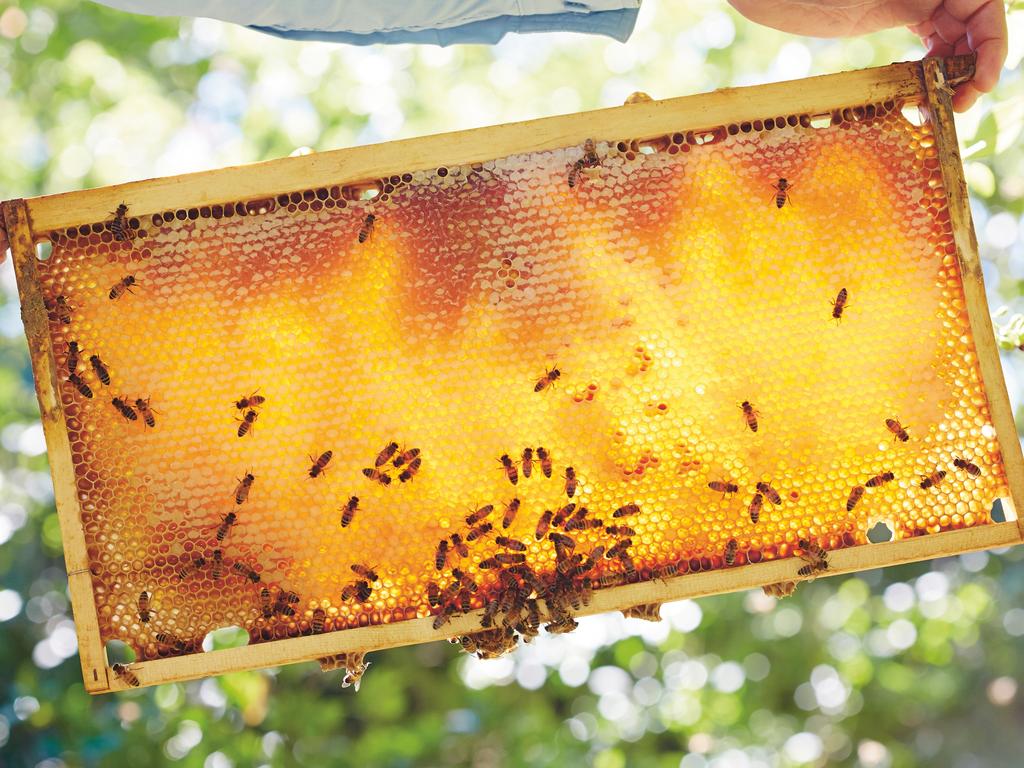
(946, 27)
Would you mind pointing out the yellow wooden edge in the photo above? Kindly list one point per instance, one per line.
(33, 313)
(414, 631)
(940, 110)
(644, 120)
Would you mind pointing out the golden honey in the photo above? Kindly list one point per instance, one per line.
(670, 284)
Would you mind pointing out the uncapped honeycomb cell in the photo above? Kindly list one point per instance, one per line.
(725, 336)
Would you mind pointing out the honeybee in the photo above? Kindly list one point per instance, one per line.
(365, 571)
(355, 668)
(58, 309)
(218, 564)
(575, 172)
(855, 496)
(459, 545)
(730, 551)
(619, 530)
(756, 505)
(780, 589)
(815, 557)
(969, 467)
(386, 453)
(880, 479)
(319, 466)
(545, 461)
(626, 510)
(781, 192)
(644, 611)
(562, 514)
(770, 493)
(570, 482)
(618, 549)
(125, 410)
(933, 479)
(101, 370)
(406, 457)
(243, 487)
(480, 530)
(433, 595)
(265, 605)
(125, 673)
(749, 414)
(463, 578)
(839, 304)
(561, 540)
(441, 556)
(285, 601)
(410, 470)
(665, 571)
(146, 411)
(543, 524)
(513, 544)
(367, 228)
(894, 426)
(144, 611)
(246, 571)
(444, 616)
(547, 380)
(375, 474)
(318, 621)
(74, 350)
(723, 487)
(564, 625)
(527, 462)
(578, 523)
(246, 423)
(121, 286)
(189, 568)
(119, 226)
(488, 564)
(349, 511)
(510, 512)
(225, 526)
(510, 558)
(590, 156)
(479, 514)
(83, 388)
(170, 640)
(360, 590)
(509, 467)
(250, 401)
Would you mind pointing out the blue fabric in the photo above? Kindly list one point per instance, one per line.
(616, 24)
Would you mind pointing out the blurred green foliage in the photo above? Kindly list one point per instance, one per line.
(917, 665)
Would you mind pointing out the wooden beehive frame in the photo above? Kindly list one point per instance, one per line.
(925, 83)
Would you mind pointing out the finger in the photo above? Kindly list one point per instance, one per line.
(936, 46)
(965, 97)
(948, 27)
(923, 30)
(986, 34)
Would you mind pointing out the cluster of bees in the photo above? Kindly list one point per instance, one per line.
(60, 310)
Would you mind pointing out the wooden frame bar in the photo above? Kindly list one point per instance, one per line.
(29, 221)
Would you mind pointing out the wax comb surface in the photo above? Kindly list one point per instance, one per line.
(710, 346)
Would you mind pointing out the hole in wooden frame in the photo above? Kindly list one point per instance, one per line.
(913, 113)
(823, 120)
(361, 191)
(880, 532)
(44, 250)
(225, 637)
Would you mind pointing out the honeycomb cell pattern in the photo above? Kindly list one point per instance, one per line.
(633, 308)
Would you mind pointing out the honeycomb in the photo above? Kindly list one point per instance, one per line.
(720, 344)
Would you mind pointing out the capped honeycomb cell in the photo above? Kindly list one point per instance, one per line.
(614, 362)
